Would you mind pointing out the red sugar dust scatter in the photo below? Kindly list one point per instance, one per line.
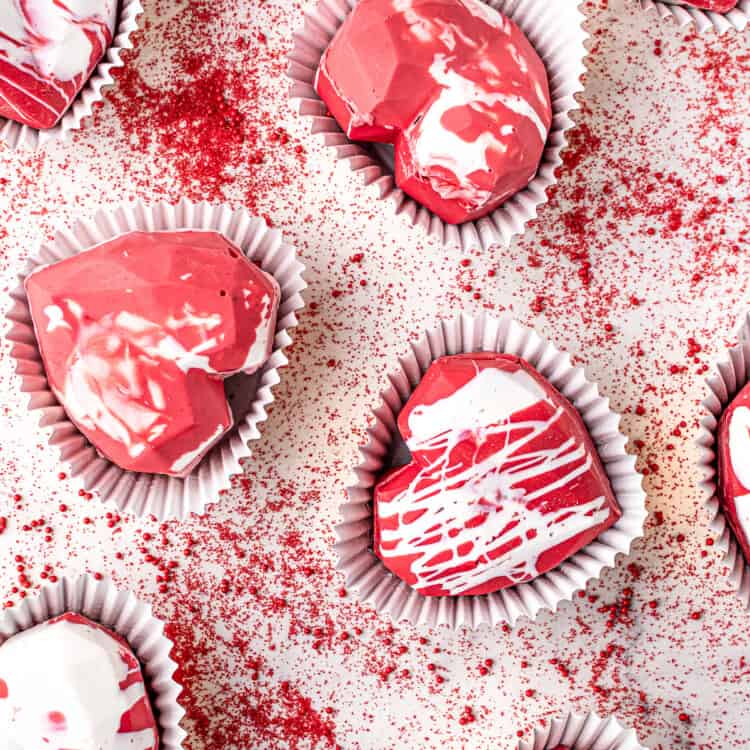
(206, 125)
(196, 125)
(260, 711)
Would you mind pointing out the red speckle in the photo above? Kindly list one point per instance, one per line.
(57, 721)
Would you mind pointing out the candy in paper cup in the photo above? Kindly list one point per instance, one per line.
(17, 135)
(583, 732)
(121, 612)
(730, 375)
(249, 395)
(389, 595)
(556, 31)
(703, 20)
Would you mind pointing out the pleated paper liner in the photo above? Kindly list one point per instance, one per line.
(389, 595)
(736, 19)
(122, 613)
(16, 135)
(556, 31)
(730, 375)
(249, 395)
(583, 732)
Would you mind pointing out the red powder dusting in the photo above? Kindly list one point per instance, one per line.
(261, 710)
(207, 126)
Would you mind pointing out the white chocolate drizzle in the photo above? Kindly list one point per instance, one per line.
(452, 496)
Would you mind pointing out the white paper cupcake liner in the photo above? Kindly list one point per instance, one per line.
(556, 31)
(16, 135)
(728, 378)
(736, 19)
(389, 595)
(144, 494)
(583, 732)
(122, 613)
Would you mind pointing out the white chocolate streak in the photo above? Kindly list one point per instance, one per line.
(133, 413)
(73, 669)
(258, 352)
(490, 397)
(742, 509)
(427, 28)
(121, 416)
(50, 37)
(453, 495)
(739, 454)
(56, 318)
(739, 444)
(151, 337)
(432, 144)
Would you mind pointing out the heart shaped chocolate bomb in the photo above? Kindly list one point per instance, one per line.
(138, 334)
(734, 467)
(456, 88)
(504, 483)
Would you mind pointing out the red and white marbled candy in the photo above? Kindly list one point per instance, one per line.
(48, 50)
(138, 334)
(719, 6)
(734, 467)
(71, 683)
(504, 484)
(455, 86)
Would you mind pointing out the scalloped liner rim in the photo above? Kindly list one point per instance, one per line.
(584, 731)
(706, 439)
(703, 21)
(526, 600)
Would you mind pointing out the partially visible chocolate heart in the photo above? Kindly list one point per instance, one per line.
(69, 682)
(48, 50)
(734, 467)
(718, 6)
(138, 334)
(505, 482)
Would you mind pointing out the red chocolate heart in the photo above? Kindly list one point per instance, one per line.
(48, 50)
(138, 334)
(734, 467)
(505, 482)
(718, 6)
(455, 86)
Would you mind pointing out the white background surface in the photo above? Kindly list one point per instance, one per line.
(644, 114)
